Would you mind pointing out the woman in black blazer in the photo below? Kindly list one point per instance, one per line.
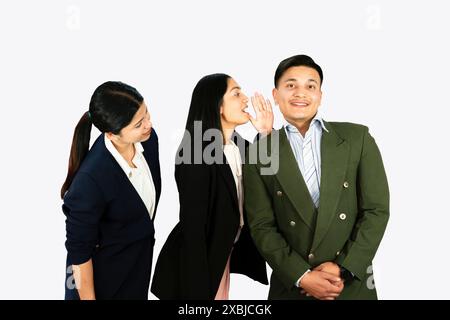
(110, 198)
(212, 238)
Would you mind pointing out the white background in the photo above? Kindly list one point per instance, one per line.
(386, 65)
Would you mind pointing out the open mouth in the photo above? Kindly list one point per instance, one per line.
(299, 104)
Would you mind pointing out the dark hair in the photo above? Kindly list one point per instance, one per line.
(112, 107)
(206, 100)
(297, 61)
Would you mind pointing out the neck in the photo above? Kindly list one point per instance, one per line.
(126, 150)
(227, 132)
(302, 125)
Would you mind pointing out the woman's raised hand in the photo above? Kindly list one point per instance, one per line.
(263, 122)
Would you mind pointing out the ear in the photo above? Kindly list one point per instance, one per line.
(275, 95)
(221, 109)
(111, 136)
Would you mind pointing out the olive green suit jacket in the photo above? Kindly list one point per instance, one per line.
(292, 235)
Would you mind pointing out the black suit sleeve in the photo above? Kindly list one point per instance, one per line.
(194, 183)
(83, 207)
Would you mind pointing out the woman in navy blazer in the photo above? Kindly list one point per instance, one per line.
(212, 238)
(110, 212)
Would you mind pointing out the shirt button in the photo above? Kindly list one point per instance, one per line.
(346, 184)
(338, 253)
(342, 216)
(310, 256)
(292, 223)
(279, 193)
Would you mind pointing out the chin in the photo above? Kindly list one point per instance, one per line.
(146, 138)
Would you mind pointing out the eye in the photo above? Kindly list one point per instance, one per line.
(237, 94)
(311, 86)
(290, 85)
(139, 125)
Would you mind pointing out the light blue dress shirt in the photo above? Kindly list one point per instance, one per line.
(315, 131)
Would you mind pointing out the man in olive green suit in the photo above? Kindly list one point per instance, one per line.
(319, 216)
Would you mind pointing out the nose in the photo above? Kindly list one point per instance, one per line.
(245, 100)
(299, 93)
(147, 123)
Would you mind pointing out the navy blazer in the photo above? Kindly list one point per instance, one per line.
(108, 222)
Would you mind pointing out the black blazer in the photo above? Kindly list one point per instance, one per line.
(192, 261)
(108, 222)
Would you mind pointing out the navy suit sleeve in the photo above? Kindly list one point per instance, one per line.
(83, 206)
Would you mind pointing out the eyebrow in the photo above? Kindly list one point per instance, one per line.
(137, 123)
(239, 88)
(295, 80)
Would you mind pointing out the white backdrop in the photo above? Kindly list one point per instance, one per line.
(385, 65)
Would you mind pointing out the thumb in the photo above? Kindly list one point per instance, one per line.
(319, 267)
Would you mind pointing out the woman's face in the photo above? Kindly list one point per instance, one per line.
(138, 130)
(234, 103)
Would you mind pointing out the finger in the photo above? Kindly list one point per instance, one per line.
(330, 277)
(269, 105)
(319, 267)
(332, 294)
(255, 104)
(333, 289)
(340, 287)
(266, 104)
(262, 102)
(329, 298)
(252, 99)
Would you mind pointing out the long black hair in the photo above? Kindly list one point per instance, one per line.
(207, 98)
(112, 107)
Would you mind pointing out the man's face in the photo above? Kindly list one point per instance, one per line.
(298, 94)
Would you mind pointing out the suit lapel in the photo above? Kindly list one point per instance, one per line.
(227, 175)
(225, 169)
(153, 164)
(292, 181)
(334, 162)
(122, 177)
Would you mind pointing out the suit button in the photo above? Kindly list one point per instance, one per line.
(292, 223)
(342, 216)
(338, 253)
(346, 184)
(310, 256)
(279, 193)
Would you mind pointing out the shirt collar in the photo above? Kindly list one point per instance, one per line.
(230, 144)
(118, 157)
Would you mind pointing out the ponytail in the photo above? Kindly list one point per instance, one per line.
(79, 149)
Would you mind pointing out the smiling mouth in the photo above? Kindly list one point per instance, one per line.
(299, 104)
